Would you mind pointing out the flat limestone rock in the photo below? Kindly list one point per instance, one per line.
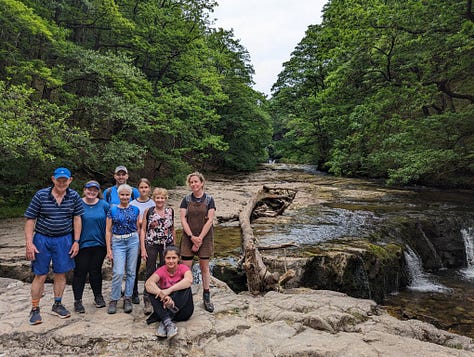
(299, 322)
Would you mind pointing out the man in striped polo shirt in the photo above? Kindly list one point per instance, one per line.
(52, 231)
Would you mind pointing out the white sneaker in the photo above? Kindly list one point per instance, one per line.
(161, 332)
(171, 331)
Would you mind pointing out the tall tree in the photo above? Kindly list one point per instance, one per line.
(396, 93)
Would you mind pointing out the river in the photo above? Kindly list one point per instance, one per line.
(328, 208)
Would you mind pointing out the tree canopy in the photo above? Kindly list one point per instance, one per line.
(149, 84)
(382, 89)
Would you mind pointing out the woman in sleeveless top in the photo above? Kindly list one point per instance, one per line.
(157, 232)
(197, 214)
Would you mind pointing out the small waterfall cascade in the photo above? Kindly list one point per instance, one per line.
(419, 279)
(468, 237)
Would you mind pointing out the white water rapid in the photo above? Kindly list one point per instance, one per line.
(419, 279)
(468, 237)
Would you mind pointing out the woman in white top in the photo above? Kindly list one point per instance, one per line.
(142, 203)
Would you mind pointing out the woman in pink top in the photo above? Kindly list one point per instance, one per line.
(169, 288)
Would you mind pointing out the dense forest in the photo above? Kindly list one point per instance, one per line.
(149, 84)
(381, 89)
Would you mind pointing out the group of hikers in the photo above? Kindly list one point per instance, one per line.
(125, 225)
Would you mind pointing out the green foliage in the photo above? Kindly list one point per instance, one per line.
(90, 84)
(382, 89)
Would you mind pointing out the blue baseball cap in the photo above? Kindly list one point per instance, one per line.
(62, 172)
(92, 183)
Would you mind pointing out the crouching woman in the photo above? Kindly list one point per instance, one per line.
(170, 293)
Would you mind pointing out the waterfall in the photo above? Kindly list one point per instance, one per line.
(419, 279)
(468, 237)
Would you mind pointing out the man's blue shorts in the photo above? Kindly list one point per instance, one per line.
(54, 249)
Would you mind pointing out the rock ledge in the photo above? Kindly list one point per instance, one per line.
(300, 322)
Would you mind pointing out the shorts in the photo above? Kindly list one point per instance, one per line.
(55, 249)
(205, 251)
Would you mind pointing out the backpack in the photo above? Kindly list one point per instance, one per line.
(189, 199)
(107, 194)
(206, 200)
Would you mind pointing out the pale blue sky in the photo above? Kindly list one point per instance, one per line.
(269, 30)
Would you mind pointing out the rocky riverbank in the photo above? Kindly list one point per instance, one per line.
(298, 322)
(301, 322)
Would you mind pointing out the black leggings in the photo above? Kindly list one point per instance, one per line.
(88, 261)
(154, 251)
(183, 300)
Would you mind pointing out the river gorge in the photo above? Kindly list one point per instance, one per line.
(409, 249)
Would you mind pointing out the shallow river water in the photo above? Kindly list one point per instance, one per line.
(354, 210)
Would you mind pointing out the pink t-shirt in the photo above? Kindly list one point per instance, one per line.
(166, 280)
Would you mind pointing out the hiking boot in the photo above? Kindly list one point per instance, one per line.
(152, 319)
(35, 317)
(171, 330)
(78, 307)
(127, 305)
(60, 310)
(135, 299)
(206, 298)
(99, 301)
(112, 307)
(161, 331)
(147, 308)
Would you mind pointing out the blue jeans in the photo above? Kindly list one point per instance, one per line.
(125, 255)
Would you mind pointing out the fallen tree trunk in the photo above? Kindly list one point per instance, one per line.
(277, 246)
(259, 278)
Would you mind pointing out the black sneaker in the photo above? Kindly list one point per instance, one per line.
(127, 305)
(35, 317)
(152, 319)
(78, 307)
(60, 310)
(99, 301)
(112, 307)
(206, 298)
(147, 308)
(135, 299)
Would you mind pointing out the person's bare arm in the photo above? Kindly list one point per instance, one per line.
(77, 224)
(108, 237)
(31, 249)
(143, 229)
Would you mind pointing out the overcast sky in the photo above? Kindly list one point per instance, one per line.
(269, 30)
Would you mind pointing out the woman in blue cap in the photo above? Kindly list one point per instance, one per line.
(92, 247)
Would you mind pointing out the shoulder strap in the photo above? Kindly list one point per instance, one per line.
(188, 200)
(107, 195)
(148, 215)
